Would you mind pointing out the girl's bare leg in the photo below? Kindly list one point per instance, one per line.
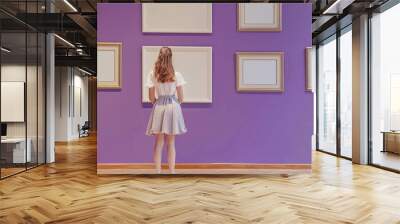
(159, 143)
(171, 153)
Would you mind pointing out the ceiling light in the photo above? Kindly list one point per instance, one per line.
(5, 50)
(79, 51)
(84, 71)
(65, 41)
(70, 5)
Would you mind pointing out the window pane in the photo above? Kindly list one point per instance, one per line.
(346, 94)
(385, 95)
(32, 88)
(327, 97)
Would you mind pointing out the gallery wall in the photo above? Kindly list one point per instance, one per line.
(268, 128)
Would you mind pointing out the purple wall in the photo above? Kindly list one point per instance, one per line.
(236, 127)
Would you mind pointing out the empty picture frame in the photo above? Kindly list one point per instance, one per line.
(309, 69)
(109, 66)
(195, 65)
(259, 17)
(259, 72)
(177, 18)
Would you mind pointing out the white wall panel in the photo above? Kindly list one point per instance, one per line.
(194, 63)
(177, 18)
(12, 101)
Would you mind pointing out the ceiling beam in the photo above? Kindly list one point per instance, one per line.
(86, 27)
(337, 7)
(80, 61)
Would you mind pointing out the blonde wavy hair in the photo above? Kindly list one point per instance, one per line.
(163, 68)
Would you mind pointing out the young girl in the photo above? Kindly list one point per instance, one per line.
(166, 119)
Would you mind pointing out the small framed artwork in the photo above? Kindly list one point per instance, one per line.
(177, 18)
(259, 17)
(109, 64)
(309, 69)
(259, 72)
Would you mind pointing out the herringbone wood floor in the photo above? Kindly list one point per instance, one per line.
(69, 191)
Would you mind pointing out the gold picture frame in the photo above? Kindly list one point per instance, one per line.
(197, 73)
(109, 65)
(309, 69)
(260, 71)
(266, 26)
(187, 18)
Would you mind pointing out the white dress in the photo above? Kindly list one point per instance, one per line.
(166, 116)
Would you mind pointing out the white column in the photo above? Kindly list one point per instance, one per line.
(360, 90)
(50, 100)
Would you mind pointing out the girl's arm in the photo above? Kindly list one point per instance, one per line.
(152, 94)
(179, 90)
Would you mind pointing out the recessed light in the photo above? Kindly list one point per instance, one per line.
(5, 50)
(64, 40)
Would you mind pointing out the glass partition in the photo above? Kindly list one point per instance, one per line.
(22, 101)
(31, 99)
(14, 153)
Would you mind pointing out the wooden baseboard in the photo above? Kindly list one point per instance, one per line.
(204, 168)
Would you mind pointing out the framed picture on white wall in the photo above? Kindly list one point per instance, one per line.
(195, 65)
(259, 17)
(12, 101)
(109, 65)
(177, 18)
(259, 72)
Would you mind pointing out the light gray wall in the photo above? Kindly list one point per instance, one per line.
(69, 84)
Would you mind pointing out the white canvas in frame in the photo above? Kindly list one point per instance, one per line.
(309, 69)
(194, 63)
(259, 72)
(177, 18)
(259, 17)
(109, 65)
